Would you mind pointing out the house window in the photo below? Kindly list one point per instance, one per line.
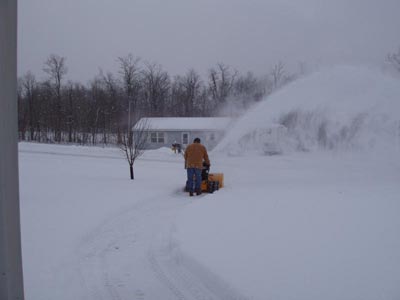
(160, 137)
(157, 137)
(185, 138)
(212, 136)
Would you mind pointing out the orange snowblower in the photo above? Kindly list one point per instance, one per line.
(210, 182)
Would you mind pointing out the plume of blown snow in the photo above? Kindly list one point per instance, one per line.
(343, 108)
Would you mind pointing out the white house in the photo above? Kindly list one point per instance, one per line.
(163, 132)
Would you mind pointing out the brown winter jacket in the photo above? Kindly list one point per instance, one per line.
(194, 155)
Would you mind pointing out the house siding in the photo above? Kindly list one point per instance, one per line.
(163, 132)
(208, 138)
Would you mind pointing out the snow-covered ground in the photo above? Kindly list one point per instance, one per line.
(322, 223)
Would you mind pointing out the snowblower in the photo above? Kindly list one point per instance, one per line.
(210, 182)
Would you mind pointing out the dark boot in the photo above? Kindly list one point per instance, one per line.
(198, 192)
(190, 194)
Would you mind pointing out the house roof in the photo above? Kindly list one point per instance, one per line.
(179, 124)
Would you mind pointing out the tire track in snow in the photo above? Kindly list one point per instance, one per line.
(139, 242)
(195, 280)
(158, 271)
(93, 251)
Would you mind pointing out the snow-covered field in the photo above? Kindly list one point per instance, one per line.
(318, 224)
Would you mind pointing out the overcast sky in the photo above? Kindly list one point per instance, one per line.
(249, 35)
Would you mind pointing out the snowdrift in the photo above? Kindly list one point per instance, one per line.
(340, 108)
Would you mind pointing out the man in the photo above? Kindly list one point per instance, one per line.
(195, 154)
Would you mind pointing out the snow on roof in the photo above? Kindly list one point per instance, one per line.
(179, 124)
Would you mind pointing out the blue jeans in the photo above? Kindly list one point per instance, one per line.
(193, 179)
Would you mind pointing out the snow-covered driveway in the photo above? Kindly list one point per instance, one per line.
(91, 233)
(134, 256)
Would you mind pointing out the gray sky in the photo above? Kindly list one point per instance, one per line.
(249, 35)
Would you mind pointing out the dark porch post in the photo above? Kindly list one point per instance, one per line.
(11, 283)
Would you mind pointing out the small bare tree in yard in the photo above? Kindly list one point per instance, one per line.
(133, 143)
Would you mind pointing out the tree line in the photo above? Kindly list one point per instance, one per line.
(55, 110)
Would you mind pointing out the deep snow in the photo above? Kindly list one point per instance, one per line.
(318, 224)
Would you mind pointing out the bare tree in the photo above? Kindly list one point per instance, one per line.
(278, 74)
(249, 88)
(156, 89)
(28, 107)
(394, 59)
(111, 106)
(22, 111)
(221, 81)
(185, 93)
(133, 143)
(56, 69)
(280, 77)
(130, 77)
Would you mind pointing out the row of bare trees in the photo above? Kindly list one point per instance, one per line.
(61, 111)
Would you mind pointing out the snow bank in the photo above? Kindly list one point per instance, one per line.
(340, 108)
